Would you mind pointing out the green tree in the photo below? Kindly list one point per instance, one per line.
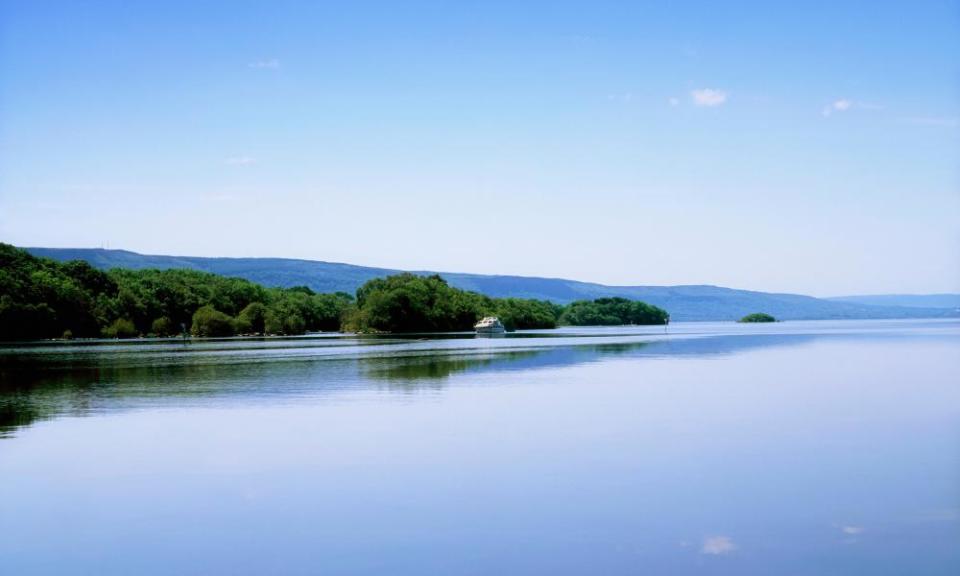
(329, 311)
(411, 303)
(272, 322)
(612, 312)
(121, 328)
(757, 317)
(208, 321)
(519, 314)
(41, 298)
(251, 318)
(163, 326)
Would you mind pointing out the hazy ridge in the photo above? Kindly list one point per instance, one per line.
(908, 300)
(693, 302)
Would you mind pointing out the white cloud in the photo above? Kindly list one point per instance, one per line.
(624, 97)
(841, 105)
(717, 545)
(844, 104)
(240, 161)
(852, 530)
(270, 64)
(673, 101)
(708, 97)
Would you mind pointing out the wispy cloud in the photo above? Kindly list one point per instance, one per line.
(240, 160)
(842, 105)
(673, 101)
(845, 104)
(708, 97)
(718, 545)
(851, 533)
(268, 64)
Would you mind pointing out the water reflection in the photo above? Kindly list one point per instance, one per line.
(787, 449)
(78, 381)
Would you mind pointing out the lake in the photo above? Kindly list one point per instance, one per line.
(715, 448)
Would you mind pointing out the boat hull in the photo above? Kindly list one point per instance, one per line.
(491, 330)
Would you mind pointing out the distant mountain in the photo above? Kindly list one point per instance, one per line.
(908, 300)
(683, 302)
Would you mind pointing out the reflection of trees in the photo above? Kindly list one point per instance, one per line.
(42, 386)
(19, 411)
(410, 370)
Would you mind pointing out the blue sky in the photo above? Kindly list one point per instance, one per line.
(813, 148)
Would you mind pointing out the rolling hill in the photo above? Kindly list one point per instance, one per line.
(908, 300)
(697, 302)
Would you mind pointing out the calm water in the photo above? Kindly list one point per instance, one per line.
(798, 448)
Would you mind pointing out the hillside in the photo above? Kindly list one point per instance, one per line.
(683, 302)
(908, 300)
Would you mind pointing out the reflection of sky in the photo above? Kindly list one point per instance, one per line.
(40, 380)
(735, 454)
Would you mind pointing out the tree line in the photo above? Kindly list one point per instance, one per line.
(612, 312)
(43, 298)
(411, 303)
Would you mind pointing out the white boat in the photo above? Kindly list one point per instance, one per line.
(489, 325)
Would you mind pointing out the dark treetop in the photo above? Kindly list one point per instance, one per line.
(757, 317)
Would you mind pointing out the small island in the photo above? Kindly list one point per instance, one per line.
(757, 317)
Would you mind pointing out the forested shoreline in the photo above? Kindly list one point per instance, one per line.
(42, 298)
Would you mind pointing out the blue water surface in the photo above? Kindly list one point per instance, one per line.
(793, 448)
